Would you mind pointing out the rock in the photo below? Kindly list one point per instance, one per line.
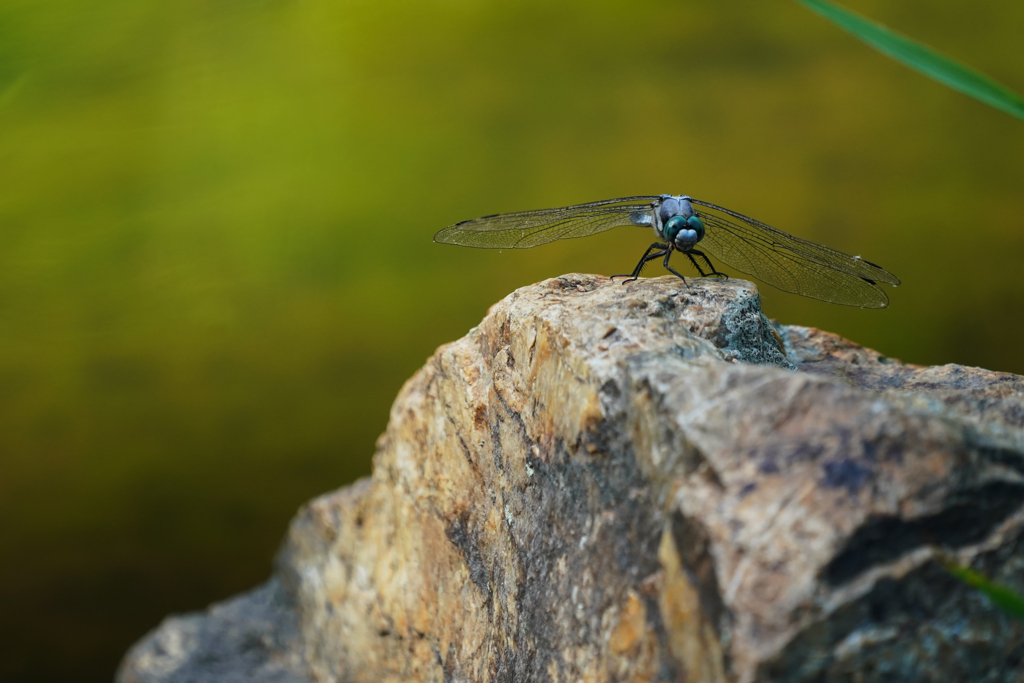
(253, 637)
(647, 483)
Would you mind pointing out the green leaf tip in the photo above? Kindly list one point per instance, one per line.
(922, 58)
(1004, 598)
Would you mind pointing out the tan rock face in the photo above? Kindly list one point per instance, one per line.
(647, 483)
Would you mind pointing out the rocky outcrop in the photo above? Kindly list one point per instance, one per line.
(647, 482)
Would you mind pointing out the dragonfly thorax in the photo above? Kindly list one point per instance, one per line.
(677, 222)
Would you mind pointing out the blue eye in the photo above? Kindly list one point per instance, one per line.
(673, 226)
(695, 224)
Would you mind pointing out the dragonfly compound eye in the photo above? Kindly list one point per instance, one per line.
(686, 232)
(673, 226)
(697, 226)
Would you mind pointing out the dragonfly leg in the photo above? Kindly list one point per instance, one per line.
(673, 270)
(714, 272)
(695, 264)
(648, 256)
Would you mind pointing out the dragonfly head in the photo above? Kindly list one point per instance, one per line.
(684, 232)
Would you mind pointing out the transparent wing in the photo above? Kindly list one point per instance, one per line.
(530, 228)
(790, 263)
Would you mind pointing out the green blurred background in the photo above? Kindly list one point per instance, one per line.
(216, 266)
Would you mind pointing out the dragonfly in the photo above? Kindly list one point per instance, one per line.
(681, 224)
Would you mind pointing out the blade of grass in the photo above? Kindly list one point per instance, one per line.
(8, 93)
(1002, 597)
(922, 58)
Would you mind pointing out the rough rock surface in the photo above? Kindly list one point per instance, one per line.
(647, 483)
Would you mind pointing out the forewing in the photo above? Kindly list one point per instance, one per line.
(530, 228)
(790, 263)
